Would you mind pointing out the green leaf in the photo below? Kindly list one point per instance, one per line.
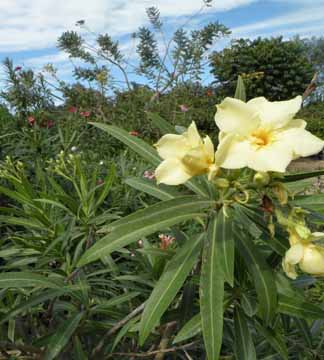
(164, 126)
(107, 185)
(189, 330)
(212, 293)
(145, 222)
(299, 308)
(261, 272)
(161, 192)
(117, 300)
(139, 146)
(305, 331)
(26, 280)
(275, 339)
(146, 151)
(302, 175)
(225, 246)
(62, 336)
(21, 221)
(240, 92)
(244, 347)
(168, 285)
(34, 300)
(310, 202)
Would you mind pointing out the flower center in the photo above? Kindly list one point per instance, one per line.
(261, 137)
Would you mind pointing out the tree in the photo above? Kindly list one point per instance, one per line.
(164, 61)
(26, 92)
(273, 68)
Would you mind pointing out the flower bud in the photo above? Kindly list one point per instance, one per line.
(261, 178)
(222, 183)
(281, 193)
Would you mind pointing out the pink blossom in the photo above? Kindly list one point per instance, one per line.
(72, 109)
(149, 175)
(31, 120)
(134, 133)
(85, 113)
(166, 241)
(50, 124)
(17, 68)
(183, 108)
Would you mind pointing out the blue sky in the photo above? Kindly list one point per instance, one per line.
(29, 28)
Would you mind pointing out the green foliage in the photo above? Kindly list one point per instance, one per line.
(273, 68)
(314, 115)
(25, 91)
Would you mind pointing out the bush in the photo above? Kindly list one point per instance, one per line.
(273, 68)
(314, 115)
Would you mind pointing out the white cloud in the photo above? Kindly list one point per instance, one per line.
(36, 24)
(301, 20)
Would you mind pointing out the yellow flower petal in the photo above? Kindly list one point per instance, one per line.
(301, 141)
(313, 260)
(289, 269)
(235, 116)
(172, 146)
(273, 157)
(192, 135)
(275, 114)
(209, 148)
(295, 254)
(171, 172)
(233, 153)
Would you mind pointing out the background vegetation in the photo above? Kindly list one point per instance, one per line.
(63, 181)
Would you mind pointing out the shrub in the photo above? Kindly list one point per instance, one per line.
(273, 68)
(314, 114)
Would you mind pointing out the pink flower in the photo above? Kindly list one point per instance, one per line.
(31, 120)
(134, 133)
(183, 108)
(149, 175)
(50, 124)
(166, 241)
(17, 68)
(85, 113)
(72, 109)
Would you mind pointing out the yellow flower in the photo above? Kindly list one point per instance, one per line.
(185, 156)
(263, 135)
(306, 254)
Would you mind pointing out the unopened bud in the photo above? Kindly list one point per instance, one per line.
(261, 178)
(222, 183)
(281, 193)
(303, 231)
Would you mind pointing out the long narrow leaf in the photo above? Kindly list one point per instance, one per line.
(244, 347)
(212, 293)
(62, 336)
(164, 126)
(161, 192)
(146, 151)
(261, 272)
(168, 285)
(26, 280)
(145, 222)
(189, 330)
(299, 308)
(225, 246)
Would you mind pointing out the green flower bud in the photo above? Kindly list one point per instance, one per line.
(221, 183)
(261, 178)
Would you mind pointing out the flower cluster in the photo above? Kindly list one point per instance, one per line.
(259, 134)
(304, 252)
